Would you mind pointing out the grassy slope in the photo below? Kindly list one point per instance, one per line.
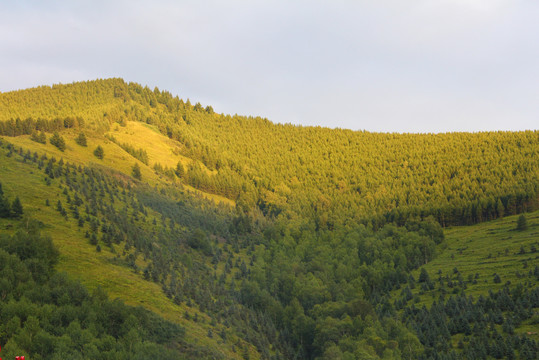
(159, 148)
(80, 259)
(486, 249)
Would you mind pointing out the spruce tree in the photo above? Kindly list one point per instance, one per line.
(4, 207)
(58, 141)
(16, 208)
(180, 171)
(81, 140)
(99, 152)
(424, 276)
(136, 172)
(522, 223)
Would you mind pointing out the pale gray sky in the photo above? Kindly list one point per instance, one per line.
(379, 65)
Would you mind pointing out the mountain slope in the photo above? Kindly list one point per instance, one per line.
(78, 256)
(331, 175)
(261, 240)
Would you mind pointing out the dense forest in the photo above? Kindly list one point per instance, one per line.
(329, 175)
(326, 227)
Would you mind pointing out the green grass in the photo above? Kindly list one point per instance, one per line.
(487, 249)
(160, 149)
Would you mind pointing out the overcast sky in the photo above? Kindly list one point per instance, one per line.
(379, 65)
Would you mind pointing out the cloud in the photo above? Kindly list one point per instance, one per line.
(388, 65)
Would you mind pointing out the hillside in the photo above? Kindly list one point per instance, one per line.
(330, 175)
(268, 241)
(489, 272)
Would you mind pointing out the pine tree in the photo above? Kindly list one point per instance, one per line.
(58, 141)
(99, 152)
(16, 208)
(81, 140)
(136, 172)
(180, 170)
(424, 276)
(4, 207)
(500, 209)
(522, 223)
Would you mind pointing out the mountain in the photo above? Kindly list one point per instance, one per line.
(248, 239)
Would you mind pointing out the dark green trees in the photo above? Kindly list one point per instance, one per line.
(136, 172)
(522, 223)
(99, 152)
(58, 141)
(424, 276)
(81, 140)
(97, 327)
(180, 170)
(4, 205)
(40, 138)
(16, 208)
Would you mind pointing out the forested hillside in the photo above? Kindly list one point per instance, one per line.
(330, 175)
(252, 239)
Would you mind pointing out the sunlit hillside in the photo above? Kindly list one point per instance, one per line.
(331, 175)
(247, 239)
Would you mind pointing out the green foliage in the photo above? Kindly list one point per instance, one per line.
(58, 141)
(136, 172)
(99, 152)
(5, 208)
(424, 276)
(47, 315)
(16, 208)
(180, 170)
(39, 138)
(328, 225)
(522, 223)
(199, 240)
(81, 139)
(333, 175)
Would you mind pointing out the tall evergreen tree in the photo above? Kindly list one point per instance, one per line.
(81, 139)
(522, 223)
(16, 208)
(136, 172)
(4, 205)
(58, 141)
(180, 170)
(99, 152)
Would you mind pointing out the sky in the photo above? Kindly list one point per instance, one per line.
(381, 65)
